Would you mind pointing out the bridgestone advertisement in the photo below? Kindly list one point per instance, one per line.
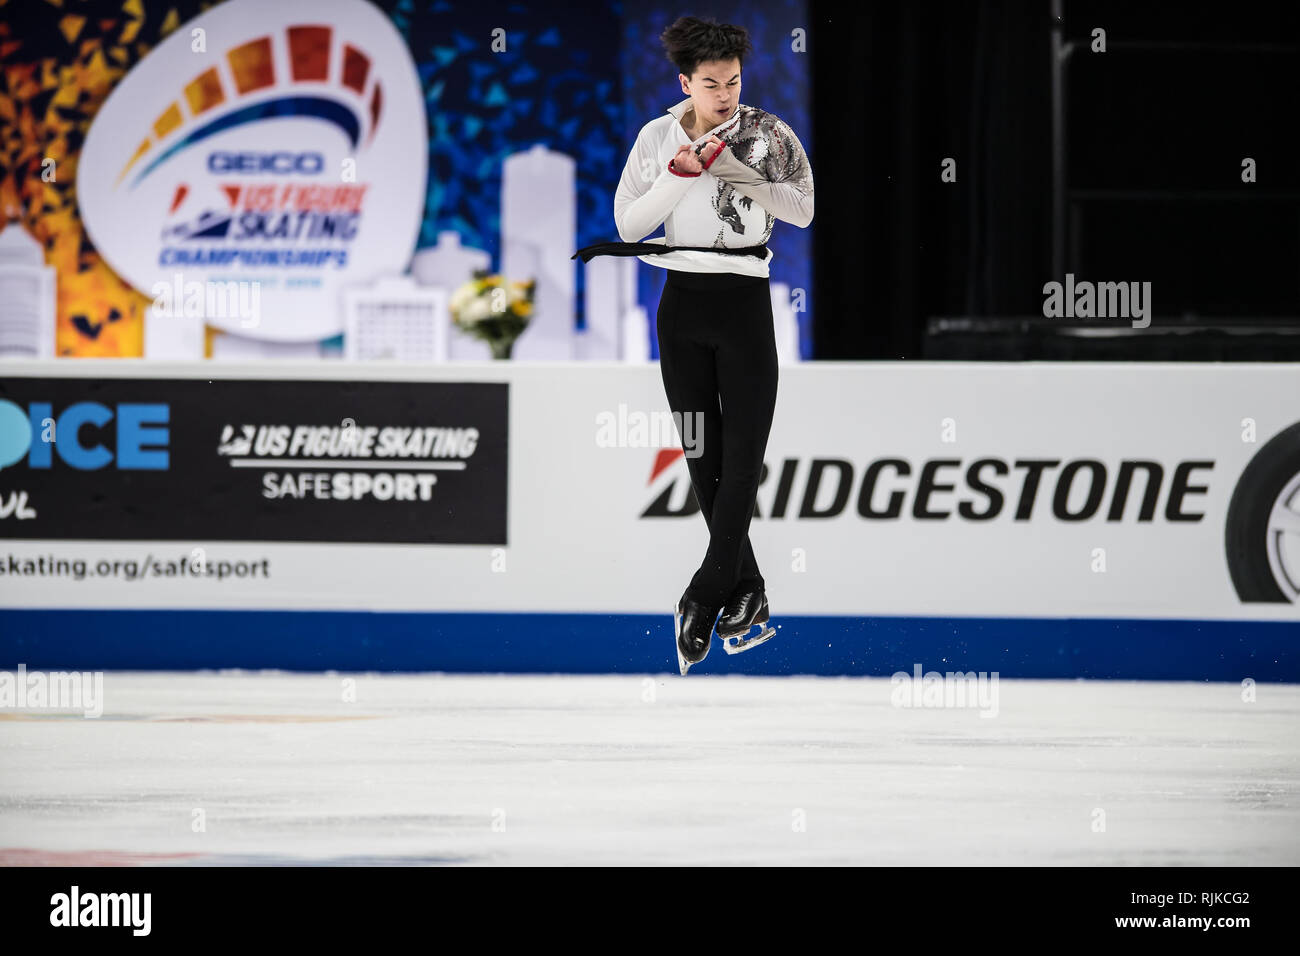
(972, 490)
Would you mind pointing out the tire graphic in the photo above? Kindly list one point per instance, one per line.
(1262, 536)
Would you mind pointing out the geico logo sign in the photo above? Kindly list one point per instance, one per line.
(308, 164)
(313, 111)
(889, 489)
(138, 434)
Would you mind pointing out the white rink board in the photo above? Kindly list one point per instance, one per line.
(578, 543)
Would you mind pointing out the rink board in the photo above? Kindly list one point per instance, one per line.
(1042, 518)
(349, 641)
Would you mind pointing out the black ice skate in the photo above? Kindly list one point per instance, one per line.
(693, 624)
(745, 610)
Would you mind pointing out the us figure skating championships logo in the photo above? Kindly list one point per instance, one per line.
(277, 143)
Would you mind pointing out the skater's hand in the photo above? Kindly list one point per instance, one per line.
(688, 161)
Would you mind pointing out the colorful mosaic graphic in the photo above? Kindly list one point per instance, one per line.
(58, 63)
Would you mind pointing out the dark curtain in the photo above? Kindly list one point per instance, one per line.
(898, 87)
(1156, 128)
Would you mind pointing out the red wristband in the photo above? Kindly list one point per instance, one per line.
(715, 155)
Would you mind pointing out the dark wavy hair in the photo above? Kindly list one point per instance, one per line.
(691, 41)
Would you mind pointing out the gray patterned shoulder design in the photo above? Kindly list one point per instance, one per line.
(767, 145)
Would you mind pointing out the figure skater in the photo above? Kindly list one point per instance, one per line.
(717, 174)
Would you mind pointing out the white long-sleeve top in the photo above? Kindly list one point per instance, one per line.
(762, 175)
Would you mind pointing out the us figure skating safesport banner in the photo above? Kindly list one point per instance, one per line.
(256, 460)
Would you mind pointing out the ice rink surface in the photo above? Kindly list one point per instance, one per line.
(276, 768)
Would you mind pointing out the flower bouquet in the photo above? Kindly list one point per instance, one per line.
(490, 308)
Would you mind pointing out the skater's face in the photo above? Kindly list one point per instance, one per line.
(714, 89)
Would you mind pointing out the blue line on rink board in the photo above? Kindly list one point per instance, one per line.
(1136, 649)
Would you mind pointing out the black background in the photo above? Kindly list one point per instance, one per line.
(1156, 129)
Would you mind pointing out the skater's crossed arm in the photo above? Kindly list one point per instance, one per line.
(788, 194)
(647, 192)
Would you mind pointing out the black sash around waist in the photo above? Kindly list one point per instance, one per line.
(587, 253)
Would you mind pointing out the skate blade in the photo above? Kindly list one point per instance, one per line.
(682, 664)
(738, 645)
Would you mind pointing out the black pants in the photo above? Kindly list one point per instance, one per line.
(717, 355)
